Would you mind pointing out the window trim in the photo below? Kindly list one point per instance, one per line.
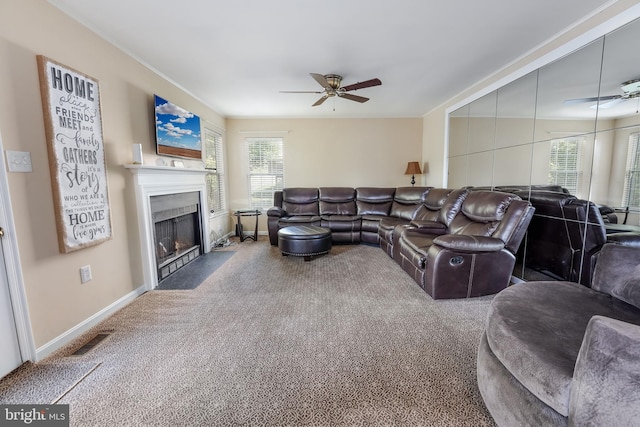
(632, 169)
(220, 171)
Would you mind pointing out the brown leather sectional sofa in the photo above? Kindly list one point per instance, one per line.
(454, 243)
(566, 235)
(352, 214)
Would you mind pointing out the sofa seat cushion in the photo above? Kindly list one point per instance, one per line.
(370, 222)
(388, 224)
(342, 222)
(299, 219)
(536, 330)
(414, 246)
(342, 218)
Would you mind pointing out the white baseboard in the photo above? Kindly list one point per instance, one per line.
(65, 338)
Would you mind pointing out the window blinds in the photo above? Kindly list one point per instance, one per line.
(564, 163)
(266, 170)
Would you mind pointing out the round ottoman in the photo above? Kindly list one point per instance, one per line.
(304, 240)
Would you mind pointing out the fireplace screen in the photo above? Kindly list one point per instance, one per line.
(175, 236)
(176, 220)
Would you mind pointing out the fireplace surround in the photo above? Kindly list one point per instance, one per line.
(153, 181)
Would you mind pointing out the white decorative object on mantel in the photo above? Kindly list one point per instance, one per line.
(157, 181)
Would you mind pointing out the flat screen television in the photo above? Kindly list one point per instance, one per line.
(177, 131)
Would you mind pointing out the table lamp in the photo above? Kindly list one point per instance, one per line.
(413, 169)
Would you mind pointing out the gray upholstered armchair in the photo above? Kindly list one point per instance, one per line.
(559, 353)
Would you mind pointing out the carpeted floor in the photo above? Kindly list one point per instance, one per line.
(43, 383)
(343, 340)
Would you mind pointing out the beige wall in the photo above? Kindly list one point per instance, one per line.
(328, 152)
(57, 301)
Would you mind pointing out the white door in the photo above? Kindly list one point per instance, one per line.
(10, 357)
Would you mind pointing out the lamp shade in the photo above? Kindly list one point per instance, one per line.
(413, 168)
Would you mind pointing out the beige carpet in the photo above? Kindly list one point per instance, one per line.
(346, 339)
(43, 383)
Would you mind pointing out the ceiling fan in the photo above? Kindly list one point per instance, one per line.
(331, 87)
(630, 89)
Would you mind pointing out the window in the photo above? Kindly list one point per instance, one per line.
(266, 170)
(564, 163)
(631, 194)
(214, 163)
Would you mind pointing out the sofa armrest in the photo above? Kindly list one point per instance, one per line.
(431, 227)
(465, 243)
(276, 211)
(625, 239)
(604, 389)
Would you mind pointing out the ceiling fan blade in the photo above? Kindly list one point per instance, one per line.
(353, 97)
(320, 101)
(609, 98)
(595, 99)
(611, 103)
(322, 81)
(362, 85)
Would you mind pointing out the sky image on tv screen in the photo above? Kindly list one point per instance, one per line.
(176, 127)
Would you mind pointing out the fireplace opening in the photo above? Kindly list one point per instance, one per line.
(177, 231)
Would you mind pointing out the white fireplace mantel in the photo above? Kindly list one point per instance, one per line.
(156, 181)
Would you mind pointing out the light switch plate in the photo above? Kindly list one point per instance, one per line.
(85, 274)
(19, 161)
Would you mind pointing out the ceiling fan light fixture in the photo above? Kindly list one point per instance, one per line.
(334, 80)
(632, 88)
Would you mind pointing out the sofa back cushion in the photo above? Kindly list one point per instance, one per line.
(408, 201)
(481, 213)
(585, 224)
(300, 201)
(277, 198)
(337, 201)
(436, 197)
(617, 273)
(452, 205)
(374, 200)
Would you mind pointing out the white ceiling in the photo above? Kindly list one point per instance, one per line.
(236, 56)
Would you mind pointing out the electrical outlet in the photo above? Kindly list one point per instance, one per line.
(19, 161)
(85, 274)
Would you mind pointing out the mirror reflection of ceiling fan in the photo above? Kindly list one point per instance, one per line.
(331, 87)
(630, 89)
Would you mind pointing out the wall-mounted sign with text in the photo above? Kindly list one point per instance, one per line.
(73, 125)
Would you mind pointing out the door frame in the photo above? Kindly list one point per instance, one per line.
(15, 279)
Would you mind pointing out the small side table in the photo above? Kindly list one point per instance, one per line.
(239, 229)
